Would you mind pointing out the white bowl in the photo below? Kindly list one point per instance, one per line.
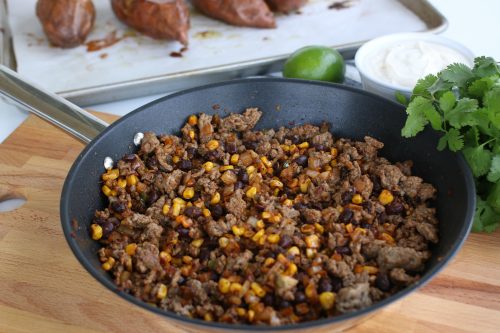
(368, 50)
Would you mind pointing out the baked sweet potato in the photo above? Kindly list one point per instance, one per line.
(285, 6)
(250, 13)
(66, 22)
(160, 19)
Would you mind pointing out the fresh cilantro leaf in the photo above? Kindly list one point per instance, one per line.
(401, 98)
(433, 116)
(458, 74)
(494, 174)
(455, 140)
(447, 101)
(471, 137)
(493, 198)
(485, 218)
(492, 99)
(458, 117)
(485, 66)
(438, 86)
(479, 87)
(416, 120)
(479, 160)
(422, 86)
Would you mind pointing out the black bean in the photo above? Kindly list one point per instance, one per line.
(217, 211)
(231, 148)
(365, 225)
(346, 215)
(382, 281)
(243, 175)
(394, 208)
(118, 206)
(285, 241)
(268, 300)
(319, 147)
(336, 283)
(300, 297)
(204, 254)
(301, 160)
(183, 232)
(251, 145)
(152, 162)
(191, 151)
(344, 250)
(152, 197)
(295, 139)
(344, 172)
(299, 206)
(214, 276)
(377, 187)
(129, 158)
(282, 304)
(381, 217)
(324, 284)
(185, 165)
(114, 221)
(192, 211)
(99, 220)
(107, 228)
(238, 185)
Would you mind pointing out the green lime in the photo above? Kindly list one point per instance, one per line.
(315, 63)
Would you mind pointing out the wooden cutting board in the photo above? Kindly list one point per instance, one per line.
(44, 289)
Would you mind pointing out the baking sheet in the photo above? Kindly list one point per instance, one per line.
(215, 48)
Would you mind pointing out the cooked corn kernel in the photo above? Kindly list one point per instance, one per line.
(319, 228)
(130, 249)
(327, 300)
(250, 170)
(312, 241)
(132, 180)
(238, 231)
(251, 192)
(108, 264)
(282, 259)
(266, 215)
(349, 228)
(226, 167)
(224, 285)
(193, 120)
(235, 158)
(96, 231)
(215, 198)
(197, 242)
(260, 224)
(241, 312)
(370, 269)
(208, 317)
(273, 238)
(334, 152)
(291, 269)
(276, 183)
(223, 242)
(385, 197)
(191, 134)
(304, 144)
(310, 253)
(111, 174)
(122, 182)
(212, 144)
(206, 212)
(235, 287)
(294, 251)
(305, 185)
(208, 166)
(275, 218)
(188, 193)
(162, 291)
(251, 315)
(176, 209)
(388, 238)
(266, 162)
(187, 260)
(269, 261)
(288, 203)
(333, 163)
(176, 159)
(310, 291)
(106, 190)
(165, 209)
(257, 289)
(357, 199)
(165, 257)
(258, 235)
(307, 229)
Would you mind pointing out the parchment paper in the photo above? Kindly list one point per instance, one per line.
(212, 43)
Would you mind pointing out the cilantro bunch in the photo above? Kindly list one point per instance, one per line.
(464, 104)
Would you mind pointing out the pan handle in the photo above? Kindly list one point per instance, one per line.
(50, 107)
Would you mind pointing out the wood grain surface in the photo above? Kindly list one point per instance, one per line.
(44, 288)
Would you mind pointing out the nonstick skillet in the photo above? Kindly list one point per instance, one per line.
(352, 113)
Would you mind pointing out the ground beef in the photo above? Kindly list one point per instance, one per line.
(223, 219)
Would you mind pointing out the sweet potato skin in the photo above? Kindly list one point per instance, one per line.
(285, 6)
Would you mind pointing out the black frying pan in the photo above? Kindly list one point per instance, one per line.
(353, 113)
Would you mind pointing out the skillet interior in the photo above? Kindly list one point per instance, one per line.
(352, 113)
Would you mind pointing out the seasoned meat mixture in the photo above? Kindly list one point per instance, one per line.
(273, 227)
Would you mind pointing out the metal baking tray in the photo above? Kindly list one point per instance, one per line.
(434, 22)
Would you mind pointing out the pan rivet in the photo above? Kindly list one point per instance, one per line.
(138, 138)
(108, 163)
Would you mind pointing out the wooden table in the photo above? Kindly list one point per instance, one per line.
(44, 288)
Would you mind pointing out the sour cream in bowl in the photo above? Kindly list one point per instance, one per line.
(396, 62)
